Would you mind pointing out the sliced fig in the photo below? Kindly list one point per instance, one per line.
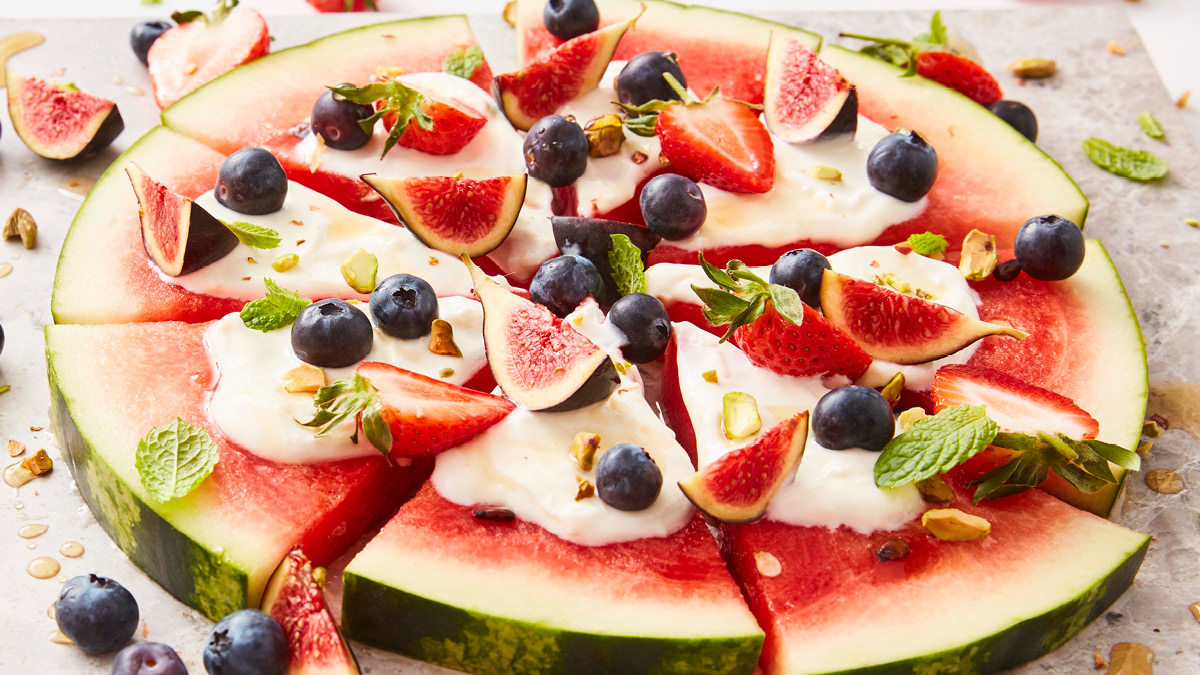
(57, 121)
(592, 239)
(456, 215)
(738, 487)
(804, 98)
(556, 77)
(180, 237)
(539, 362)
(900, 328)
(295, 598)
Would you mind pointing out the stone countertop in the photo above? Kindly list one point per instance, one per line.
(1095, 93)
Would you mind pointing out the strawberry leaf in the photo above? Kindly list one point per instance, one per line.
(742, 297)
(396, 99)
(352, 398)
(1084, 464)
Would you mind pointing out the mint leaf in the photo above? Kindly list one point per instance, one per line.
(174, 459)
(395, 99)
(627, 269)
(1149, 124)
(277, 309)
(463, 62)
(253, 235)
(934, 445)
(1130, 163)
(927, 243)
(344, 400)
(937, 32)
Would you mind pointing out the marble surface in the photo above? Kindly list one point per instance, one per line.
(1095, 93)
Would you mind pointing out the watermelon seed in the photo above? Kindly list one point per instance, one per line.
(494, 514)
(768, 565)
(892, 549)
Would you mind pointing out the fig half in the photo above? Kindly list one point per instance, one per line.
(57, 121)
(180, 237)
(804, 98)
(295, 598)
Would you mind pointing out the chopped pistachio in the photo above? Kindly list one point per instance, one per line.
(441, 339)
(894, 282)
(1182, 101)
(584, 489)
(446, 372)
(954, 525)
(822, 172)
(510, 13)
(1143, 448)
(15, 448)
(1114, 47)
(5, 269)
(892, 390)
(1032, 69)
(1164, 482)
(319, 576)
(709, 376)
(768, 565)
(359, 271)
(739, 415)
(605, 134)
(39, 463)
(285, 262)
(620, 366)
(1191, 221)
(4, 388)
(935, 490)
(304, 378)
(892, 549)
(1150, 428)
(978, 256)
(583, 449)
(1195, 609)
(907, 418)
(1130, 658)
(21, 224)
(389, 71)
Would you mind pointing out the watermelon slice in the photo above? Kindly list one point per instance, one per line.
(111, 384)
(512, 599)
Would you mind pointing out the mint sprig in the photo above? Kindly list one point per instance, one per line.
(927, 243)
(396, 98)
(463, 62)
(278, 308)
(222, 10)
(253, 235)
(625, 259)
(934, 445)
(742, 296)
(1130, 163)
(172, 460)
(1082, 463)
(1150, 125)
(348, 399)
(904, 54)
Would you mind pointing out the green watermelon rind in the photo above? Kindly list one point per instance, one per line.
(384, 616)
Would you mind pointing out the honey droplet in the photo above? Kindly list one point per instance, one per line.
(71, 549)
(1130, 658)
(52, 611)
(19, 505)
(43, 567)
(32, 530)
(31, 546)
(16, 475)
(16, 42)
(80, 185)
(57, 637)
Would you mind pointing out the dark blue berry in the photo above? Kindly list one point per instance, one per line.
(673, 206)
(1018, 115)
(903, 165)
(98, 614)
(247, 642)
(404, 306)
(1049, 248)
(566, 19)
(641, 80)
(148, 658)
(853, 417)
(644, 322)
(801, 270)
(252, 181)
(1007, 270)
(627, 478)
(143, 36)
(336, 120)
(332, 334)
(1, 339)
(556, 151)
(562, 283)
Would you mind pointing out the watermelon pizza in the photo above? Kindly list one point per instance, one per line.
(691, 345)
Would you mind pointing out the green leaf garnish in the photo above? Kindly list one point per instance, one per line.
(927, 243)
(741, 297)
(937, 32)
(4, 388)
(1084, 464)
(627, 269)
(222, 10)
(934, 445)
(174, 459)
(344, 400)
(904, 54)
(402, 101)
(1130, 163)
(279, 308)
(253, 235)
(1149, 124)
(463, 62)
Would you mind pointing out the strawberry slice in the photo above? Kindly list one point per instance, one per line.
(960, 74)
(428, 416)
(815, 347)
(454, 125)
(1016, 406)
(719, 142)
(202, 48)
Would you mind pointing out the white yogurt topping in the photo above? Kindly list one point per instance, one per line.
(589, 320)
(524, 464)
(252, 409)
(832, 488)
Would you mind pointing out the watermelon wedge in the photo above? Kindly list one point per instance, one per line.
(111, 384)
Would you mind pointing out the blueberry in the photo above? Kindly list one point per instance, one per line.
(642, 80)
(627, 478)
(566, 19)
(143, 36)
(1007, 270)
(673, 206)
(1049, 248)
(1018, 115)
(147, 658)
(98, 614)
(853, 417)
(644, 322)
(336, 120)
(1, 339)
(247, 642)
(556, 151)
(332, 334)
(801, 270)
(404, 306)
(562, 283)
(903, 165)
(252, 181)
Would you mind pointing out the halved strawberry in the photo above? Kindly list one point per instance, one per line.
(1015, 405)
(202, 48)
(343, 5)
(428, 416)
(719, 142)
(960, 74)
(454, 125)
